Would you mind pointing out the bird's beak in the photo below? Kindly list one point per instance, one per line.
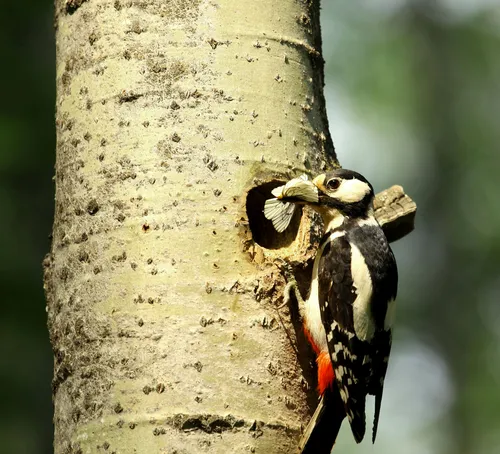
(319, 182)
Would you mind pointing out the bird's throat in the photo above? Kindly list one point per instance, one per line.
(332, 218)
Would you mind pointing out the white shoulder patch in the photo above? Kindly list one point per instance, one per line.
(364, 324)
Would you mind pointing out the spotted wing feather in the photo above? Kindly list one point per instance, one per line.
(347, 352)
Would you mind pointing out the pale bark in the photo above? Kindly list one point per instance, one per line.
(162, 309)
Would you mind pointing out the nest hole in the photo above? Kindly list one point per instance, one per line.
(263, 232)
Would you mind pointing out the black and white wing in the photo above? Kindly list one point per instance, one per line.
(337, 294)
(380, 262)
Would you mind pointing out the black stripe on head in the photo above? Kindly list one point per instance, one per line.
(339, 198)
(347, 174)
(352, 210)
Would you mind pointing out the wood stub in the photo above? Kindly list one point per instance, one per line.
(395, 211)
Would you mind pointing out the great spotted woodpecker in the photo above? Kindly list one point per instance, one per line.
(349, 312)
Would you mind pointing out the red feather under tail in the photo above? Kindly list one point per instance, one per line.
(326, 376)
(323, 428)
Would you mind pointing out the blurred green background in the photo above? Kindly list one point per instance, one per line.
(413, 98)
(27, 144)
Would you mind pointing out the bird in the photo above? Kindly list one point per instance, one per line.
(349, 312)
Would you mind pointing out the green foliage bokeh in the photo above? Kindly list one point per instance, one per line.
(27, 144)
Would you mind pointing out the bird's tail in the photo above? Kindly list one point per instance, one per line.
(323, 428)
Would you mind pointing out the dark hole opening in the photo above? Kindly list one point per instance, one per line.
(262, 229)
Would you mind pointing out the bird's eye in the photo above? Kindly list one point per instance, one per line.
(333, 184)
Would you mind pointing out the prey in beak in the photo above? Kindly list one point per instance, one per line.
(337, 195)
(280, 209)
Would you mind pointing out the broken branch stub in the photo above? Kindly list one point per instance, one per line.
(395, 212)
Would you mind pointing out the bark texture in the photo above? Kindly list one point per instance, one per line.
(161, 304)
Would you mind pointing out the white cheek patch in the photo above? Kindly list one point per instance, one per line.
(351, 191)
(364, 325)
(389, 315)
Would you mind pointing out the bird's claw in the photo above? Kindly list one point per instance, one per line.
(286, 270)
(290, 286)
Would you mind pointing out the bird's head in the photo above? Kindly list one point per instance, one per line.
(341, 194)
(344, 191)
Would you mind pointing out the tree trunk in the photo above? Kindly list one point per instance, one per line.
(161, 285)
